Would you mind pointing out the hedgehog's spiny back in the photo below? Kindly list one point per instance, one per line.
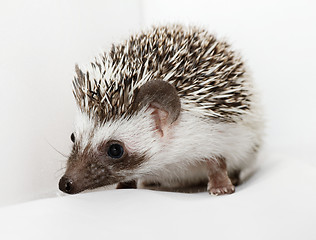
(207, 75)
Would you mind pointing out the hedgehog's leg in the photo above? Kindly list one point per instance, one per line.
(124, 185)
(219, 182)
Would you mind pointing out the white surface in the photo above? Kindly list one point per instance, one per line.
(276, 203)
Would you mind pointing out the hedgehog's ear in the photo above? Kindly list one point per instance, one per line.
(162, 101)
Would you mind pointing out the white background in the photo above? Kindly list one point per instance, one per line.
(40, 42)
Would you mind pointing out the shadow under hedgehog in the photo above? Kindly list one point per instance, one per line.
(171, 106)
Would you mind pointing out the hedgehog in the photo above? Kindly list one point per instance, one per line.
(171, 106)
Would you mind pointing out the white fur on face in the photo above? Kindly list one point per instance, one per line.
(185, 145)
(137, 133)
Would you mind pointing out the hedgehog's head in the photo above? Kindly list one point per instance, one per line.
(116, 150)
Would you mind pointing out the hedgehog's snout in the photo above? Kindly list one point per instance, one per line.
(67, 185)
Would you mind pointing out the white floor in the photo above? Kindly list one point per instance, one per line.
(278, 202)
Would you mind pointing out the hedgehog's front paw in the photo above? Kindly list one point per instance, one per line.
(219, 182)
(220, 190)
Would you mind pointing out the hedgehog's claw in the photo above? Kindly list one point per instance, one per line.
(220, 190)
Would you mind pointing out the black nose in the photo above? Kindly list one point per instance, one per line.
(66, 185)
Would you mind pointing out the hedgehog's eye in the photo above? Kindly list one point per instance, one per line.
(72, 137)
(115, 151)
